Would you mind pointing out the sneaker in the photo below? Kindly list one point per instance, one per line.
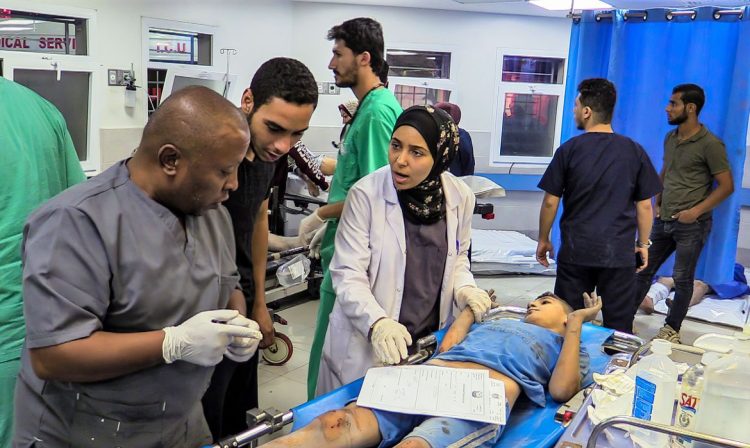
(669, 334)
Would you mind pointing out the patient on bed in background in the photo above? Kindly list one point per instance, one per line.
(541, 352)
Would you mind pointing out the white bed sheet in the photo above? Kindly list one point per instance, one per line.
(732, 312)
(495, 252)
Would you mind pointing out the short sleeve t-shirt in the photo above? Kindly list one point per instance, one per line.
(599, 176)
(689, 169)
(254, 179)
(525, 352)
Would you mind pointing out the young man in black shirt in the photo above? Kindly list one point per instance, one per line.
(606, 182)
(278, 104)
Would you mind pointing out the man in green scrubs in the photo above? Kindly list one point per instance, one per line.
(358, 57)
(39, 161)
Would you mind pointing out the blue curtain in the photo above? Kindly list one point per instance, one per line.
(645, 59)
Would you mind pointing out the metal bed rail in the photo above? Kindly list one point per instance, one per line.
(665, 429)
(260, 423)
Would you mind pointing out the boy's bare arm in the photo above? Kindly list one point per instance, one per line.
(458, 330)
(566, 378)
(460, 327)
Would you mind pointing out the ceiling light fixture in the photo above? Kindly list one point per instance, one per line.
(562, 5)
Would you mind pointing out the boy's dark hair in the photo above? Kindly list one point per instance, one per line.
(566, 306)
(360, 35)
(691, 93)
(284, 78)
(600, 95)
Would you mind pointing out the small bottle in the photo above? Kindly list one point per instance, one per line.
(655, 390)
(689, 399)
(725, 402)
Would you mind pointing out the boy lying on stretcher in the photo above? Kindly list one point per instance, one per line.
(542, 350)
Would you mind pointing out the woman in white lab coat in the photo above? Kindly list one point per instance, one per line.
(401, 268)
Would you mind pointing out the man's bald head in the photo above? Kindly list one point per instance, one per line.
(192, 119)
(190, 150)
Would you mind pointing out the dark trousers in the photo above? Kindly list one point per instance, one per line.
(232, 392)
(686, 241)
(614, 285)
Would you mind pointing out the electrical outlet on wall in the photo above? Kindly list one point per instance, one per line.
(328, 88)
(116, 77)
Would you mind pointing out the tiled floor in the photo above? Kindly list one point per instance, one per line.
(283, 387)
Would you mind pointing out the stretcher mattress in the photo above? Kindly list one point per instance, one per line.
(495, 252)
(528, 426)
(732, 312)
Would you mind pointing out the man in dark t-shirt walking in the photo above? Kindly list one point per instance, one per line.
(606, 182)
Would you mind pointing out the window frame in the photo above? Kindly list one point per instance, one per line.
(417, 82)
(429, 83)
(66, 11)
(43, 61)
(503, 87)
(150, 22)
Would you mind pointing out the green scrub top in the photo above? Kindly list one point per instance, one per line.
(363, 150)
(39, 161)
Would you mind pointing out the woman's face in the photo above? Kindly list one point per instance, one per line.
(409, 157)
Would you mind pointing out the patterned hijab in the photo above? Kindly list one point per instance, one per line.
(425, 203)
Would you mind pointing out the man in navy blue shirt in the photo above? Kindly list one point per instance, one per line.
(606, 181)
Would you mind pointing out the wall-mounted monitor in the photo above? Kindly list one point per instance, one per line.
(180, 77)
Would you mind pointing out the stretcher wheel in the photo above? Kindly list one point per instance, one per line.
(278, 353)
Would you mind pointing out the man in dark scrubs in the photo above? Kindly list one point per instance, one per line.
(127, 281)
(606, 182)
(278, 105)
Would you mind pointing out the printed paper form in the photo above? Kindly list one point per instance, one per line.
(437, 391)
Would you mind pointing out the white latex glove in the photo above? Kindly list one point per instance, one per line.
(389, 340)
(317, 241)
(242, 349)
(475, 298)
(309, 225)
(202, 339)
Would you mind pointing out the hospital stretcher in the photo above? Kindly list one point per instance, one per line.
(528, 426)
